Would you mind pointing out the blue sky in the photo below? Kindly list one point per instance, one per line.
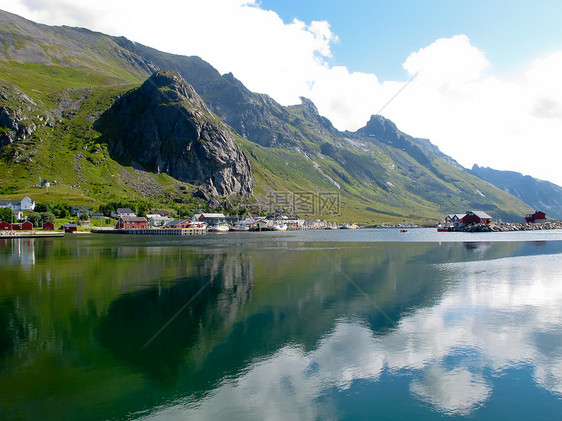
(376, 36)
(487, 91)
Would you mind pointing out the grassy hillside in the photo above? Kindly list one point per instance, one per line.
(57, 81)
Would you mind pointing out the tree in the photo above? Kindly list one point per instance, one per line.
(34, 218)
(6, 214)
(42, 207)
(47, 217)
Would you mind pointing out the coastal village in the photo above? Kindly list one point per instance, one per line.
(25, 221)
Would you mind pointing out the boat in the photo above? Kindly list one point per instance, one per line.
(403, 230)
(349, 226)
(219, 228)
(241, 227)
(279, 227)
(332, 227)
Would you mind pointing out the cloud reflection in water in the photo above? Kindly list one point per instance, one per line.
(498, 315)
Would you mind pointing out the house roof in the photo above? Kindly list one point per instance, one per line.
(133, 219)
(178, 221)
(212, 215)
(4, 203)
(481, 214)
(124, 210)
(159, 212)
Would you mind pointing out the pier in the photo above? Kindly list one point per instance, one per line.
(153, 231)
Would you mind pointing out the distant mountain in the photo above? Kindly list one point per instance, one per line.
(83, 108)
(538, 194)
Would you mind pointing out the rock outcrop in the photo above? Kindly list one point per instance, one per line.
(165, 126)
(18, 115)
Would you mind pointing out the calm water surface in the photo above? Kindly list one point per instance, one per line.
(335, 325)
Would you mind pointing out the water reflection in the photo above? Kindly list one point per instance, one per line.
(275, 330)
(498, 317)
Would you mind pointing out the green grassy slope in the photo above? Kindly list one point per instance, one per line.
(62, 79)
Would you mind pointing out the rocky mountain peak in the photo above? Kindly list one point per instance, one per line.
(165, 126)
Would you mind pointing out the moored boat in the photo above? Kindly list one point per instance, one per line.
(219, 228)
(279, 227)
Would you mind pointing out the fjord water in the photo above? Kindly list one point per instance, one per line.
(366, 324)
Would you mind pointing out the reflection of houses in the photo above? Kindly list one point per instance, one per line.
(123, 212)
(476, 217)
(536, 217)
(131, 223)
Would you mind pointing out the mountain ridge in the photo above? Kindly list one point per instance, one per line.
(291, 149)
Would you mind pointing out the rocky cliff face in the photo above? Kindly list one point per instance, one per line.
(19, 115)
(165, 126)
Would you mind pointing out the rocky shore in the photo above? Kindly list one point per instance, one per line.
(505, 227)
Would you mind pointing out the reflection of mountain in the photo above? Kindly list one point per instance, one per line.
(303, 317)
(175, 322)
(455, 355)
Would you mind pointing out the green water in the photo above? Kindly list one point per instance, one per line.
(262, 326)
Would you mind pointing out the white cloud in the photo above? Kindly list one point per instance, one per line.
(506, 123)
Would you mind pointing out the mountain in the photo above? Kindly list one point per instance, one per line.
(538, 194)
(165, 126)
(108, 119)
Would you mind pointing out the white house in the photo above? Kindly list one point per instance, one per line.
(122, 212)
(25, 204)
(18, 206)
(155, 220)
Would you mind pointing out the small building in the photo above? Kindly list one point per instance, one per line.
(454, 219)
(179, 223)
(48, 226)
(260, 225)
(27, 226)
(96, 215)
(156, 220)
(79, 210)
(536, 217)
(476, 217)
(162, 213)
(123, 212)
(131, 223)
(5, 226)
(70, 227)
(210, 218)
(18, 206)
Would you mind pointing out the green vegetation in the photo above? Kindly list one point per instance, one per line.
(373, 181)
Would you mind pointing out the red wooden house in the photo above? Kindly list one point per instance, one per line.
(5, 225)
(27, 226)
(70, 227)
(131, 223)
(179, 223)
(48, 226)
(538, 216)
(476, 217)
